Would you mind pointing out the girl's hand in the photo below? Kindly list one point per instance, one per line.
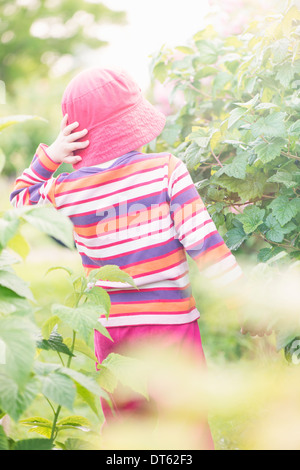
(63, 148)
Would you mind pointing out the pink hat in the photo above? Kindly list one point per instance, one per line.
(111, 106)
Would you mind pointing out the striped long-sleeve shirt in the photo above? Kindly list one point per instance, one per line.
(142, 213)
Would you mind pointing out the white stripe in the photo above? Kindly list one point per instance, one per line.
(32, 177)
(153, 229)
(219, 267)
(106, 188)
(157, 278)
(103, 203)
(229, 277)
(181, 184)
(192, 222)
(197, 236)
(182, 282)
(167, 319)
(145, 242)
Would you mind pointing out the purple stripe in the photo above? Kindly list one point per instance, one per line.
(143, 254)
(185, 197)
(39, 169)
(135, 296)
(204, 245)
(119, 209)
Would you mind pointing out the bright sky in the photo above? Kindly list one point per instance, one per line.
(151, 23)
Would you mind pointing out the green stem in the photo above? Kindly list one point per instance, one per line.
(56, 414)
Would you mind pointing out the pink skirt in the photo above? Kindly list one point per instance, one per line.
(182, 340)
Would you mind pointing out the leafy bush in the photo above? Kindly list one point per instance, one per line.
(24, 372)
(238, 128)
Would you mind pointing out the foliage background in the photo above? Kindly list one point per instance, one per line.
(231, 91)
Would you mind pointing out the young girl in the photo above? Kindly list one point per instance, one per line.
(139, 211)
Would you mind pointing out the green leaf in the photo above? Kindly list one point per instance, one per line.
(64, 268)
(193, 156)
(14, 283)
(284, 177)
(237, 169)
(81, 347)
(2, 160)
(83, 319)
(235, 238)
(249, 188)
(73, 422)
(10, 120)
(160, 71)
(15, 400)
(11, 303)
(89, 398)
(129, 371)
(235, 115)
(205, 72)
(270, 126)
(252, 218)
(39, 425)
(33, 444)
(112, 273)
(280, 50)
(268, 151)
(4, 445)
(294, 129)
(6, 259)
(18, 335)
(171, 133)
(51, 222)
(249, 104)
(285, 74)
(99, 297)
(284, 209)
(107, 379)
(275, 232)
(77, 444)
(55, 343)
(207, 52)
(19, 245)
(85, 381)
(185, 49)
(58, 387)
(8, 229)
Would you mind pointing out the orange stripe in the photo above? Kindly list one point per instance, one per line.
(166, 307)
(157, 265)
(21, 185)
(173, 161)
(187, 211)
(150, 266)
(45, 160)
(212, 256)
(107, 176)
